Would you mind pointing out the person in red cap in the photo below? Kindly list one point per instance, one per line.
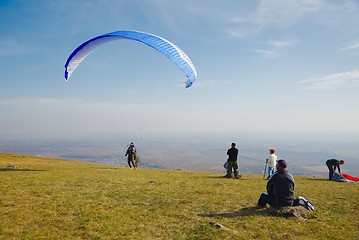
(271, 161)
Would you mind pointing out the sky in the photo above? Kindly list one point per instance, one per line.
(265, 67)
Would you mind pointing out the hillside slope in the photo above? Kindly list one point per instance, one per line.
(56, 199)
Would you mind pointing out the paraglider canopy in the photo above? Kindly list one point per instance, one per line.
(160, 44)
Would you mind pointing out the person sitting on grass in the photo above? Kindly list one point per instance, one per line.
(280, 188)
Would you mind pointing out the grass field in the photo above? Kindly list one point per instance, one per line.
(56, 199)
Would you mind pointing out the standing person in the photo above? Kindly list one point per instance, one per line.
(232, 162)
(332, 164)
(131, 155)
(271, 161)
(280, 188)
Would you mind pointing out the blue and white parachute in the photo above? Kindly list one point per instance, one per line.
(162, 45)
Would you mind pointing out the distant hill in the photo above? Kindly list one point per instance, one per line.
(304, 157)
(47, 198)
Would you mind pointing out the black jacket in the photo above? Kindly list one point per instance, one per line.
(131, 153)
(280, 188)
(232, 154)
(333, 163)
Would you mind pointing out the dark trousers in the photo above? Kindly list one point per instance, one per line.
(331, 170)
(232, 166)
(129, 161)
(263, 200)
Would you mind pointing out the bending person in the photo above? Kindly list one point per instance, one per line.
(332, 164)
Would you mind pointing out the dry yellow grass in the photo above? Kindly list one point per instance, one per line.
(59, 199)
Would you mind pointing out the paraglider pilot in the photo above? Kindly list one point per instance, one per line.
(131, 155)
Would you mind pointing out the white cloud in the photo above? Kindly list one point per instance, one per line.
(10, 47)
(289, 12)
(284, 43)
(331, 81)
(275, 47)
(269, 54)
(237, 33)
(283, 14)
(351, 48)
(354, 46)
(212, 83)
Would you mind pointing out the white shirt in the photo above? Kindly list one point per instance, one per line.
(272, 160)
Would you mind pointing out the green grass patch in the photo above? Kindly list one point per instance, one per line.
(58, 199)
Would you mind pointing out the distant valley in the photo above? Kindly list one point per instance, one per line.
(193, 153)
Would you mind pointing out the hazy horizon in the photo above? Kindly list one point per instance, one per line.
(195, 153)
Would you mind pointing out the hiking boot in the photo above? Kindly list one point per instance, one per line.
(239, 176)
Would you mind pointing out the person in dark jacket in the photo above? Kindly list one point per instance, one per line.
(232, 162)
(131, 155)
(332, 164)
(280, 188)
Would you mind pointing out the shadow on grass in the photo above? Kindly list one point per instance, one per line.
(108, 168)
(249, 211)
(20, 170)
(243, 178)
(318, 179)
(211, 177)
